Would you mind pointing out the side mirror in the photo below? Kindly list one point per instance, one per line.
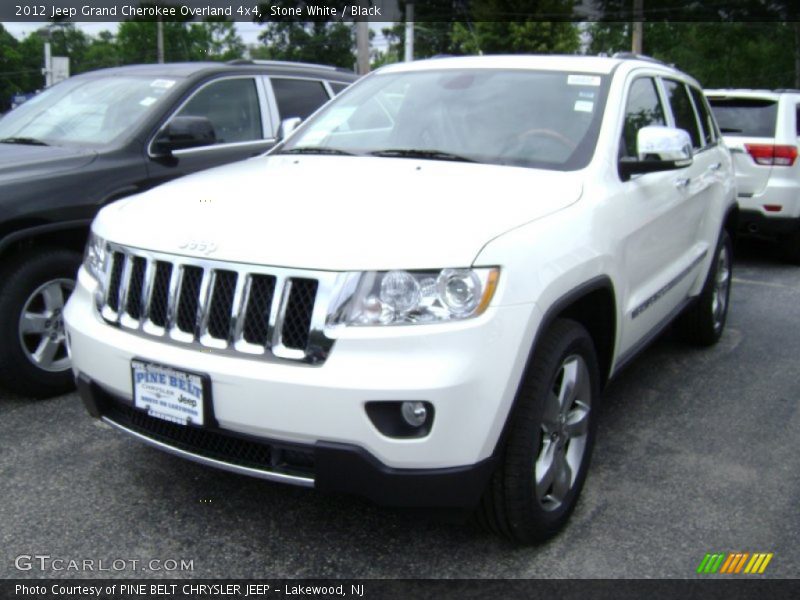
(658, 148)
(184, 132)
(287, 126)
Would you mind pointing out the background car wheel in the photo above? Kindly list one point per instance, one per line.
(546, 456)
(33, 352)
(791, 247)
(703, 322)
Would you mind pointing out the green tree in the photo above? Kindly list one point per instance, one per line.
(315, 42)
(102, 52)
(11, 69)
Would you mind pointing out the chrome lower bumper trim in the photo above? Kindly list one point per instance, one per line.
(269, 475)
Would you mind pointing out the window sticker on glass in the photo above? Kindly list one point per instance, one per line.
(593, 80)
(583, 94)
(583, 106)
(162, 83)
(147, 101)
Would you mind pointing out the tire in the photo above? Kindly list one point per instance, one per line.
(33, 355)
(790, 245)
(532, 494)
(704, 321)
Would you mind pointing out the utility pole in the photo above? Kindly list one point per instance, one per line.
(160, 40)
(362, 47)
(638, 29)
(48, 66)
(409, 45)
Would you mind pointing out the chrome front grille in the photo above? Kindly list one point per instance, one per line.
(264, 312)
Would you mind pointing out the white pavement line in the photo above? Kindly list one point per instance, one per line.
(765, 284)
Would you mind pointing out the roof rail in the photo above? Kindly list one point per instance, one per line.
(787, 90)
(635, 56)
(280, 63)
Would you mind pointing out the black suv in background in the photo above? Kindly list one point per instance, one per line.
(100, 136)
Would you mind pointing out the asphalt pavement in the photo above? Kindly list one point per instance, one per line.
(697, 453)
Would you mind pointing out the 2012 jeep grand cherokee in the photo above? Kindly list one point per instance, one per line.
(453, 258)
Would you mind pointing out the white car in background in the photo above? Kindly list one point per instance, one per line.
(761, 128)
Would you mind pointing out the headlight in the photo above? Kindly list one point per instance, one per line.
(94, 258)
(408, 297)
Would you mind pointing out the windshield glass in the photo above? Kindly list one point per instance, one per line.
(87, 111)
(541, 119)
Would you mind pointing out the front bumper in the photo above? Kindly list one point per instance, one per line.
(326, 466)
(309, 424)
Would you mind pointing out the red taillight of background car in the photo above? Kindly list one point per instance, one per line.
(772, 155)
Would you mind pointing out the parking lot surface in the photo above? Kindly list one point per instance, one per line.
(697, 453)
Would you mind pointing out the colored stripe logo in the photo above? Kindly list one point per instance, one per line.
(735, 563)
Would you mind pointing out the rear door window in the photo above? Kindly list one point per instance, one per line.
(683, 111)
(749, 117)
(298, 97)
(706, 120)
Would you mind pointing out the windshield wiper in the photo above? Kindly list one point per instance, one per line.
(313, 150)
(414, 153)
(28, 141)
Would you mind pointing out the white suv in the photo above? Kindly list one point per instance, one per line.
(420, 294)
(761, 128)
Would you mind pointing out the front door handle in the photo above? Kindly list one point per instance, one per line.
(715, 167)
(682, 182)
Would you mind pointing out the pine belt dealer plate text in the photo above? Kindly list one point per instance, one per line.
(167, 393)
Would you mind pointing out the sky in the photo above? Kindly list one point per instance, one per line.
(248, 31)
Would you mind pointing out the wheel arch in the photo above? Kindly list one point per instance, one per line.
(593, 305)
(70, 235)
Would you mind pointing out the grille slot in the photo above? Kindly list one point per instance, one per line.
(262, 291)
(115, 280)
(220, 306)
(189, 299)
(298, 313)
(135, 287)
(219, 315)
(160, 295)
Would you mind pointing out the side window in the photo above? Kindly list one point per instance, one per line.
(232, 107)
(709, 136)
(797, 121)
(683, 111)
(298, 97)
(643, 108)
(337, 87)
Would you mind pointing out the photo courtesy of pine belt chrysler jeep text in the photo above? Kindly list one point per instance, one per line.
(452, 259)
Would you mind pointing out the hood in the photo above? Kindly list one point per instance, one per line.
(339, 213)
(19, 161)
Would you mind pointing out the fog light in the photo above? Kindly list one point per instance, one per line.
(414, 413)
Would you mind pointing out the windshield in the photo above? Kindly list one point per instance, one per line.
(88, 111)
(541, 119)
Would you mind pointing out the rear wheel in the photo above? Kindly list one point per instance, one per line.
(546, 456)
(702, 324)
(33, 352)
(790, 245)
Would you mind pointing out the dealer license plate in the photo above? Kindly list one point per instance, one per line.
(169, 394)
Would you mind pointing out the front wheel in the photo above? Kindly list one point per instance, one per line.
(702, 324)
(546, 456)
(33, 352)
